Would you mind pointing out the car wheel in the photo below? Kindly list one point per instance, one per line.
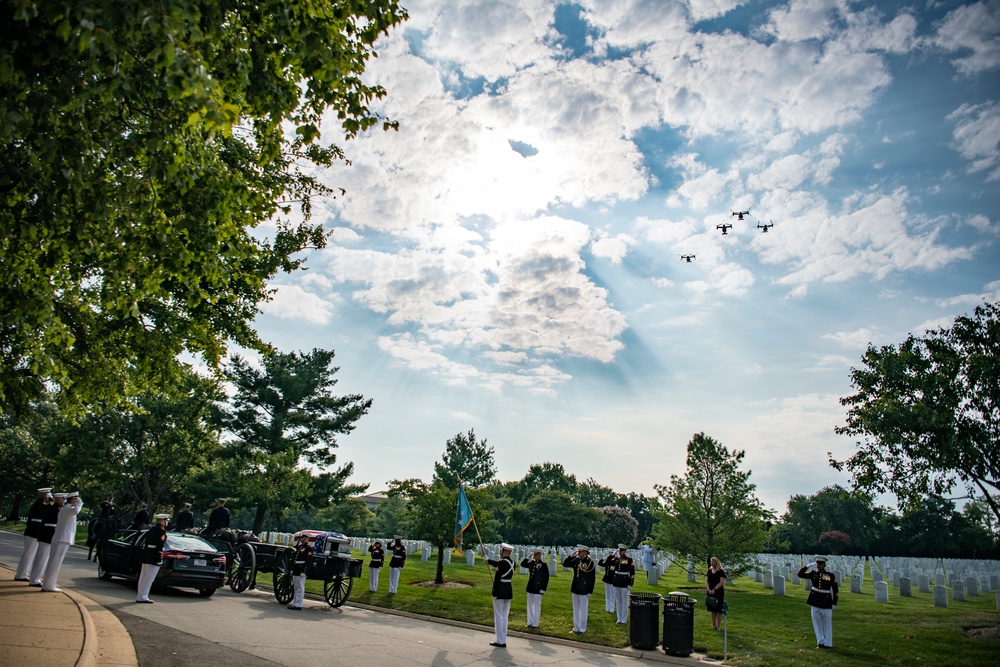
(206, 592)
(102, 574)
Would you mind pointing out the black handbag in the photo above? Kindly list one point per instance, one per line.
(712, 603)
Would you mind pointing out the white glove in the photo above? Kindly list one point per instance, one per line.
(811, 566)
(834, 607)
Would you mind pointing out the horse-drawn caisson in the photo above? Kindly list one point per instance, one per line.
(330, 563)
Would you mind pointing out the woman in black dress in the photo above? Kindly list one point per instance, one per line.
(715, 584)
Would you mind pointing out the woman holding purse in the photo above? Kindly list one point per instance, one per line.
(715, 585)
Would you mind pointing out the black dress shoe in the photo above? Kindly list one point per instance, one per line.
(144, 601)
(24, 579)
(498, 645)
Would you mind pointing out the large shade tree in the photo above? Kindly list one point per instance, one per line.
(712, 510)
(927, 413)
(283, 422)
(141, 145)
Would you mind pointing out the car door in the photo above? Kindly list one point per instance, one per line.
(117, 553)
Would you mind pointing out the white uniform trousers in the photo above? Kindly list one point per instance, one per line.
(609, 598)
(621, 602)
(534, 609)
(299, 590)
(27, 557)
(50, 580)
(146, 578)
(580, 604)
(823, 625)
(373, 573)
(501, 612)
(394, 578)
(39, 563)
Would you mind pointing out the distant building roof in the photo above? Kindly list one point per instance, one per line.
(373, 500)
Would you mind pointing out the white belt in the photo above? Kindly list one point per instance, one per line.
(152, 546)
(50, 525)
(38, 520)
(819, 590)
(505, 581)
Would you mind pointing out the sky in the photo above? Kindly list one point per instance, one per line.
(509, 261)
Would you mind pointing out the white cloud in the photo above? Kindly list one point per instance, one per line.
(972, 28)
(613, 248)
(977, 137)
(291, 302)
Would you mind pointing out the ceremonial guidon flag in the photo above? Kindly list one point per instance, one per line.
(463, 517)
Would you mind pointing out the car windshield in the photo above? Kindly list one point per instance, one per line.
(184, 542)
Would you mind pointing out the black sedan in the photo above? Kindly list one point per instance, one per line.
(188, 561)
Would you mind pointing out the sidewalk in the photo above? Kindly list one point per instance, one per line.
(63, 629)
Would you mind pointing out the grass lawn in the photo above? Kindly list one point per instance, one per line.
(764, 629)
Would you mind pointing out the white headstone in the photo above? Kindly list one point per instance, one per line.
(768, 579)
(972, 586)
(904, 587)
(958, 590)
(470, 557)
(447, 556)
(855, 583)
(779, 585)
(923, 583)
(940, 596)
(881, 591)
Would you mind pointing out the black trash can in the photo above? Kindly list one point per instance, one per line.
(644, 620)
(678, 624)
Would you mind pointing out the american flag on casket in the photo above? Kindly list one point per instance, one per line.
(325, 543)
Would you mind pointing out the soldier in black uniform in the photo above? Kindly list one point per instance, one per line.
(624, 579)
(375, 564)
(538, 581)
(503, 593)
(397, 562)
(608, 563)
(141, 519)
(185, 519)
(582, 587)
(152, 557)
(100, 527)
(50, 517)
(219, 518)
(300, 564)
(823, 600)
(32, 529)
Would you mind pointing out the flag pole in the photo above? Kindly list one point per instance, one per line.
(481, 547)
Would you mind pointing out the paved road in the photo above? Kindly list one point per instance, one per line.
(252, 630)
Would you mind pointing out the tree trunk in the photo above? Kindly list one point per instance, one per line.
(439, 576)
(258, 520)
(15, 508)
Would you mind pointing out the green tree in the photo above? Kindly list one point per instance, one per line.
(282, 417)
(928, 413)
(351, 517)
(617, 526)
(141, 144)
(553, 517)
(387, 516)
(593, 494)
(466, 459)
(832, 508)
(712, 510)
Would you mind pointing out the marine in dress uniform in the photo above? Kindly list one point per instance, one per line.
(152, 557)
(185, 519)
(822, 598)
(397, 562)
(300, 564)
(33, 528)
(49, 520)
(582, 587)
(141, 519)
(63, 535)
(608, 563)
(219, 518)
(624, 579)
(538, 581)
(375, 564)
(503, 593)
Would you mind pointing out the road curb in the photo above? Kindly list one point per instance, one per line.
(106, 641)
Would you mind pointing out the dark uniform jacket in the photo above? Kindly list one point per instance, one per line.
(538, 575)
(300, 558)
(140, 519)
(49, 520)
(156, 537)
(398, 554)
(608, 563)
(823, 581)
(584, 574)
(624, 572)
(378, 556)
(219, 518)
(502, 587)
(185, 520)
(36, 519)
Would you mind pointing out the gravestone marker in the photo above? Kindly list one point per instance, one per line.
(855, 583)
(923, 583)
(958, 591)
(881, 591)
(940, 596)
(779, 585)
(904, 587)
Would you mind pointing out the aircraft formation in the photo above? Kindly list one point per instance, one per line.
(726, 226)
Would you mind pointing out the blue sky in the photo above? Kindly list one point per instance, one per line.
(509, 261)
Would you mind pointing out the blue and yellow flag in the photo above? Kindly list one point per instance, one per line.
(463, 517)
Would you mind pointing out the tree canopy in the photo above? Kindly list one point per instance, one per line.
(928, 413)
(141, 144)
(712, 510)
(468, 459)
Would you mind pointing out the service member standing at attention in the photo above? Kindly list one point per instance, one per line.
(823, 600)
(623, 581)
(538, 581)
(219, 518)
(397, 562)
(300, 563)
(33, 528)
(503, 593)
(152, 557)
(582, 587)
(49, 520)
(375, 564)
(185, 519)
(608, 563)
(62, 537)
